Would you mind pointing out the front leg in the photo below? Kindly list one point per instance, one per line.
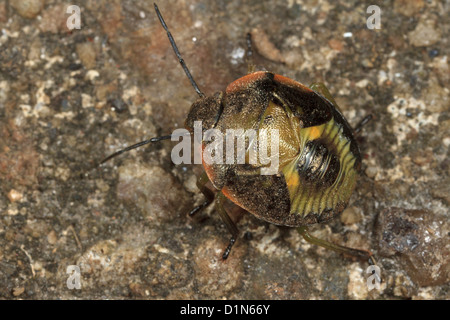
(202, 180)
(220, 198)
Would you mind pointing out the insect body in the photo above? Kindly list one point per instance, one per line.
(319, 158)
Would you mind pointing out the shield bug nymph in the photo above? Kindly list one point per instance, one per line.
(318, 156)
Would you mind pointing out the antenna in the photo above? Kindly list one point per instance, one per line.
(191, 79)
(140, 144)
(177, 52)
(134, 146)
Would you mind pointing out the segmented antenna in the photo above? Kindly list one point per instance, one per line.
(191, 79)
(177, 52)
(134, 146)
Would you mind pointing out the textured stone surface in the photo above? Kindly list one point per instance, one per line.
(68, 98)
(419, 240)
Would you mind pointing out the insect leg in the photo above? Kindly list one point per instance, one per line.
(362, 123)
(202, 180)
(220, 198)
(358, 253)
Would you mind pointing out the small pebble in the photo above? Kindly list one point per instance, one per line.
(426, 33)
(350, 216)
(52, 237)
(27, 8)
(18, 291)
(87, 54)
(265, 47)
(336, 44)
(14, 195)
(371, 172)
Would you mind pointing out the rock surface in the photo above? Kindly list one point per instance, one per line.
(68, 98)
